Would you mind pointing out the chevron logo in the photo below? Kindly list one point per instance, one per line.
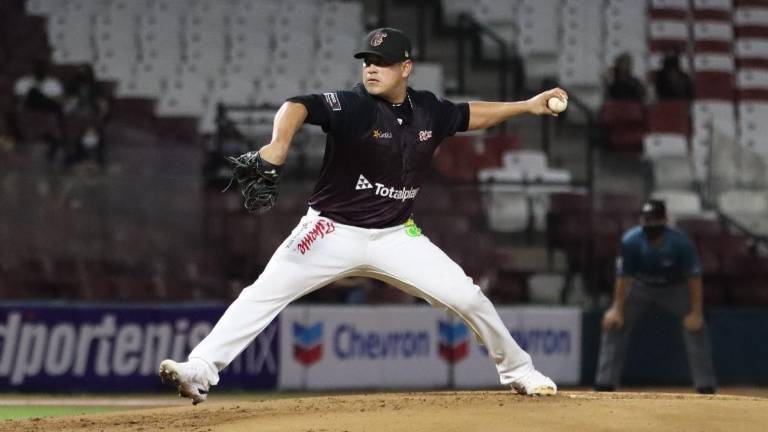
(454, 341)
(308, 343)
(363, 183)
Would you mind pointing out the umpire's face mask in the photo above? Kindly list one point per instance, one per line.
(654, 232)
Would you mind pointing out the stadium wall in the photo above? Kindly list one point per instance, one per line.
(96, 348)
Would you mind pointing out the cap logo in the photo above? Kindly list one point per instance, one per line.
(378, 38)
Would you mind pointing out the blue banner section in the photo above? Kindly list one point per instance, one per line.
(93, 348)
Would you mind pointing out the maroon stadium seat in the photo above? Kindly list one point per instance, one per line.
(696, 227)
(37, 125)
(625, 123)
(669, 117)
(508, 288)
(714, 85)
(134, 111)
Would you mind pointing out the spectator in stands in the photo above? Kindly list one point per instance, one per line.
(671, 81)
(42, 92)
(39, 90)
(86, 109)
(654, 266)
(622, 85)
(84, 96)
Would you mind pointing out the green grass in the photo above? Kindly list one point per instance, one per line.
(31, 411)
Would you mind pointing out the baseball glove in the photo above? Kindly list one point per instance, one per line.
(257, 179)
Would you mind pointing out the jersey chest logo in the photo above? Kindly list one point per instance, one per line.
(377, 134)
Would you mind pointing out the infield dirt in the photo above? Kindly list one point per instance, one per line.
(486, 411)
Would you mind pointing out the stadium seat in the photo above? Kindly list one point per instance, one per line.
(743, 202)
(428, 76)
(680, 203)
(530, 162)
(545, 288)
(661, 145)
(69, 35)
(669, 117)
(714, 10)
(706, 114)
(507, 211)
(714, 86)
(673, 173)
(274, 90)
(538, 33)
(697, 227)
(625, 122)
(714, 62)
(752, 84)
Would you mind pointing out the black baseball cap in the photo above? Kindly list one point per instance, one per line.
(654, 209)
(390, 44)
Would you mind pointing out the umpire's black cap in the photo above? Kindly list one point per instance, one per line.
(390, 44)
(654, 209)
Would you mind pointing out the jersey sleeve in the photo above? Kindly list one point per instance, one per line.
(690, 259)
(626, 265)
(324, 109)
(452, 117)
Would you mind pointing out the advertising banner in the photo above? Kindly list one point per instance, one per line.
(348, 347)
(328, 347)
(552, 336)
(49, 348)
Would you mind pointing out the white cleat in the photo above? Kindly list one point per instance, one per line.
(535, 384)
(191, 378)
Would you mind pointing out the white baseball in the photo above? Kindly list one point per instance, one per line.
(557, 105)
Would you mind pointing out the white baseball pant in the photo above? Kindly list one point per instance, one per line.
(319, 251)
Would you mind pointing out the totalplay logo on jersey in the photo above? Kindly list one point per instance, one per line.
(385, 191)
(454, 341)
(308, 343)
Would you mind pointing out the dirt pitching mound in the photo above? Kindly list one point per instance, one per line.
(486, 411)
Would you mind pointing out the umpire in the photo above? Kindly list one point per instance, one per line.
(654, 266)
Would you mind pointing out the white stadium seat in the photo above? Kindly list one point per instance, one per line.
(538, 30)
(656, 145)
(495, 11)
(45, 7)
(720, 114)
(752, 79)
(713, 62)
(725, 5)
(144, 81)
(743, 202)
(751, 16)
(531, 162)
(668, 29)
(669, 4)
(672, 173)
(751, 47)
(679, 202)
(276, 89)
(713, 30)
(428, 76)
(70, 36)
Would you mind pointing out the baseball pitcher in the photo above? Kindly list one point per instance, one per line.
(381, 137)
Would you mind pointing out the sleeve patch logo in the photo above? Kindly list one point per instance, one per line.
(333, 101)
